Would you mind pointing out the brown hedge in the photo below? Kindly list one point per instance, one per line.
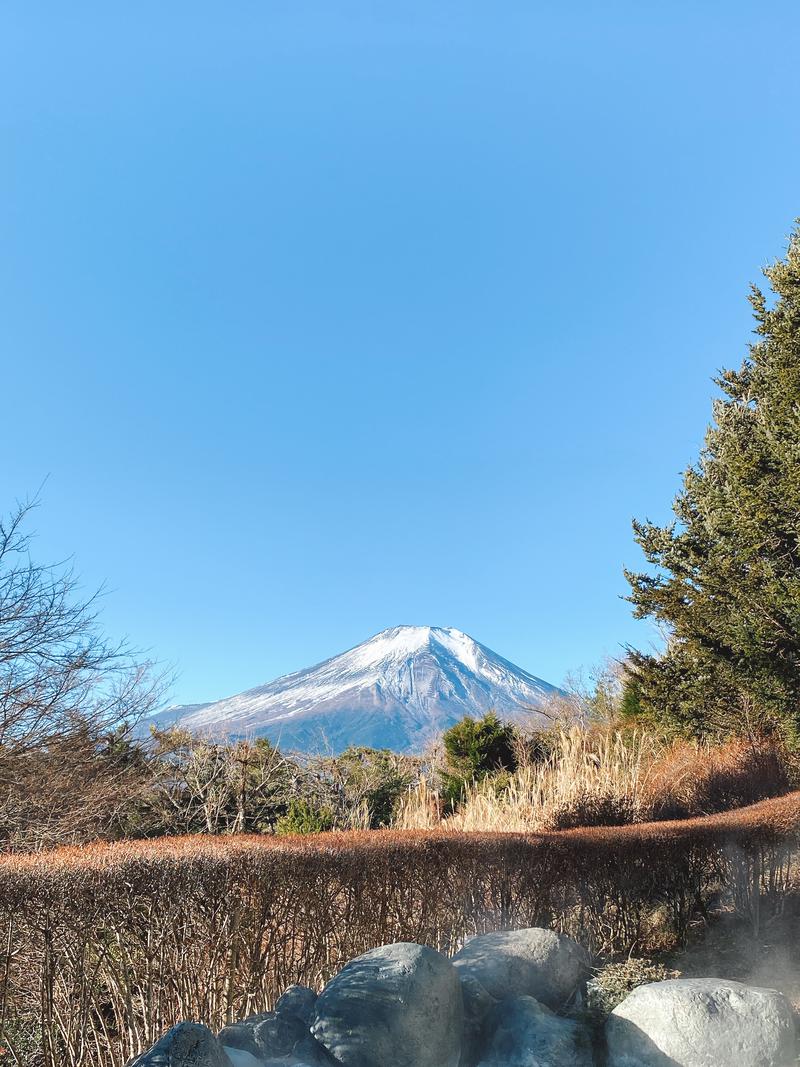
(110, 944)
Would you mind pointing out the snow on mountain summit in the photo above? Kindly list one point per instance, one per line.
(396, 690)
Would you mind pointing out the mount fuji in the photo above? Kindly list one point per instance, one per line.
(397, 690)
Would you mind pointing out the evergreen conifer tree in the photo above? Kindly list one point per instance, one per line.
(475, 748)
(726, 584)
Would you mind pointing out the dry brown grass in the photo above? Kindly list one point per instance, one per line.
(689, 779)
(111, 944)
(609, 778)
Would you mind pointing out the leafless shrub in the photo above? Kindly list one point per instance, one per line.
(108, 945)
(691, 779)
(68, 700)
(201, 785)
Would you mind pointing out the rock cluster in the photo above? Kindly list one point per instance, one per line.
(500, 1002)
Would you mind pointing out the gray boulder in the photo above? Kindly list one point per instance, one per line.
(278, 1035)
(253, 1020)
(399, 1005)
(311, 1053)
(297, 1000)
(185, 1045)
(242, 1058)
(701, 1022)
(528, 1034)
(478, 1005)
(239, 1036)
(534, 962)
(287, 1039)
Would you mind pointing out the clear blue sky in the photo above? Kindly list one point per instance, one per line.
(324, 317)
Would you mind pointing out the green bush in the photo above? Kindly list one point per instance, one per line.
(377, 778)
(475, 748)
(303, 818)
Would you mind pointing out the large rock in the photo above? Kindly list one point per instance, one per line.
(397, 1006)
(287, 1039)
(239, 1036)
(185, 1045)
(478, 1005)
(528, 1034)
(535, 963)
(241, 1058)
(278, 1035)
(272, 1039)
(297, 1000)
(701, 1022)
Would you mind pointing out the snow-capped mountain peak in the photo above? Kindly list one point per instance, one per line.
(396, 690)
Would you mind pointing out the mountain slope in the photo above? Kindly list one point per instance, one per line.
(396, 690)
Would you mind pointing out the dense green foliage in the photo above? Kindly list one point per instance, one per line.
(303, 818)
(475, 748)
(375, 778)
(726, 584)
(361, 787)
